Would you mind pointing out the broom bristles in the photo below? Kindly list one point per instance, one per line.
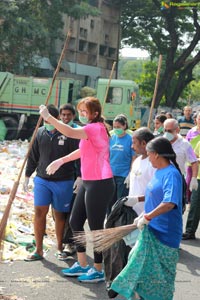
(103, 239)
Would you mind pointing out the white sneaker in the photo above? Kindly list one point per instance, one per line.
(92, 276)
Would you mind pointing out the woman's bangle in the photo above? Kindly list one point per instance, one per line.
(147, 218)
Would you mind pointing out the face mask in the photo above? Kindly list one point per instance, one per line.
(83, 120)
(70, 123)
(118, 131)
(160, 129)
(49, 127)
(168, 136)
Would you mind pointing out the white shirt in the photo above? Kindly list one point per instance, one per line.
(184, 152)
(140, 175)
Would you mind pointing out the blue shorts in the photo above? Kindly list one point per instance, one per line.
(57, 193)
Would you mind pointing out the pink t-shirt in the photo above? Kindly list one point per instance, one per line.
(95, 161)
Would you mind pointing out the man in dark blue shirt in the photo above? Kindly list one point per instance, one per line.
(186, 122)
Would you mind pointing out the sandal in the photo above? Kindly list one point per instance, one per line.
(61, 255)
(33, 257)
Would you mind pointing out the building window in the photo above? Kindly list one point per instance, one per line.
(70, 55)
(112, 52)
(103, 50)
(106, 38)
(82, 46)
(92, 48)
(83, 33)
(92, 24)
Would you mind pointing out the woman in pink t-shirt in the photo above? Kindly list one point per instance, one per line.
(98, 185)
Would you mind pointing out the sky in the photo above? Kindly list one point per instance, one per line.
(133, 52)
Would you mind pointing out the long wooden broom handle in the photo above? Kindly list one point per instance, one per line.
(16, 183)
(107, 89)
(155, 90)
(47, 101)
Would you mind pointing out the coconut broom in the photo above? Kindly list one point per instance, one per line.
(103, 239)
(16, 183)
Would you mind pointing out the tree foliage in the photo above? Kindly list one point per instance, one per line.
(194, 91)
(131, 69)
(174, 33)
(29, 28)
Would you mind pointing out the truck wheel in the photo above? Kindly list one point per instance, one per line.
(11, 125)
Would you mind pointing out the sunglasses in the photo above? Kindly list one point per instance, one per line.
(169, 130)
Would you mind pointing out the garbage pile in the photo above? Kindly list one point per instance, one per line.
(19, 239)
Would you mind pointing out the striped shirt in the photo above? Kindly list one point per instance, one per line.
(185, 125)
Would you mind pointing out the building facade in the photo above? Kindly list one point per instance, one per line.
(94, 44)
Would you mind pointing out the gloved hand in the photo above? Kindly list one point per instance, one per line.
(25, 185)
(54, 166)
(44, 112)
(131, 238)
(137, 219)
(131, 200)
(127, 181)
(141, 221)
(77, 184)
(193, 184)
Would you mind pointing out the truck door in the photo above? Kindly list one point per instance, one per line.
(129, 106)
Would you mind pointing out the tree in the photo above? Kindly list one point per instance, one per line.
(29, 28)
(147, 83)
(130, 69)
(172, 32)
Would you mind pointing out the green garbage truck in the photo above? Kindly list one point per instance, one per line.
(21, 96)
